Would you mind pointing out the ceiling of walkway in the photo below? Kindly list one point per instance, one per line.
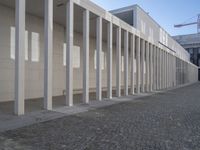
(36, 7)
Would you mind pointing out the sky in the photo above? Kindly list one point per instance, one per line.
(165, 12)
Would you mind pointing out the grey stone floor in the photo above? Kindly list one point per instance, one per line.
(163, 121)
(33, 105)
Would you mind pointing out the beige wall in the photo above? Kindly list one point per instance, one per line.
(34, 65)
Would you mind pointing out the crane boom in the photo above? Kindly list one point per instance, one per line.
(186, 24)
(192, 23)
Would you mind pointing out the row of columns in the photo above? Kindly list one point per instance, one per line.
(185, 72)
(155, 68)
(20, 12)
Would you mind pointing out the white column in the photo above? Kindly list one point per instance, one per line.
(138, 64)
(157, 68)
(151, 67)
(98, 59)
(86, 57)
(19, 56)
(170, 78)
(164, 60)
(132, 64)
(118, 63)
(177, 71)
(69, 59)
(171, 71)
(161, 69)
(126, 41)
(109, 58)
(147, 67)
(168, 70)
(48, 54)
(174, 70)
(142, 66)
(154, 68)
(181, 72)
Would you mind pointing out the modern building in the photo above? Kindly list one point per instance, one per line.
(53, 47)
(191, 43)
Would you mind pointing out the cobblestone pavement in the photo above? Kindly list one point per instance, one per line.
(165, 121)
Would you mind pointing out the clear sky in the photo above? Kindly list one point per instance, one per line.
(165, 12)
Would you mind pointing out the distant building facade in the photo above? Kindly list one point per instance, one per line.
(191, 43)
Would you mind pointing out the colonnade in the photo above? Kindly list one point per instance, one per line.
(156, 67)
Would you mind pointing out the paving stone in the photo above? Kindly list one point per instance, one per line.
(165, 121)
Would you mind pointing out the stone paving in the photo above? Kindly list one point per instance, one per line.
(164, 121)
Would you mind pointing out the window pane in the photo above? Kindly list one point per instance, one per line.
(12, 43)
(35, 46)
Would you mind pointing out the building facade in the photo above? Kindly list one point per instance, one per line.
(51, 47)
(191, 43)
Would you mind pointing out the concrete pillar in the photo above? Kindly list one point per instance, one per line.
(48, 54)
(157, 69)
(171, 71)
(168, 70)
(69, 52)
(132, 64)
(158, 63)
(165, 69)
(99, 57)
(126, 48)
(160, 68)
(86, 57)
(19, 56)
(109, 58)
(118, 63)
(174, 70)
(142, 66)
(164, 75)
(147, 67)
(138, 65)
(154, 68)
(180, 72)
(151, 67)
(177, 72)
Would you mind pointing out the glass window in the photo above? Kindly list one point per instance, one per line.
(76, 56)
(198, 62)
(64, 54)
(122, 63)
(103, 60)
(12, 43)
(191, 51)
(35, 46)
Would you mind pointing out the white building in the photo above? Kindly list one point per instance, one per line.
(51, 47)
